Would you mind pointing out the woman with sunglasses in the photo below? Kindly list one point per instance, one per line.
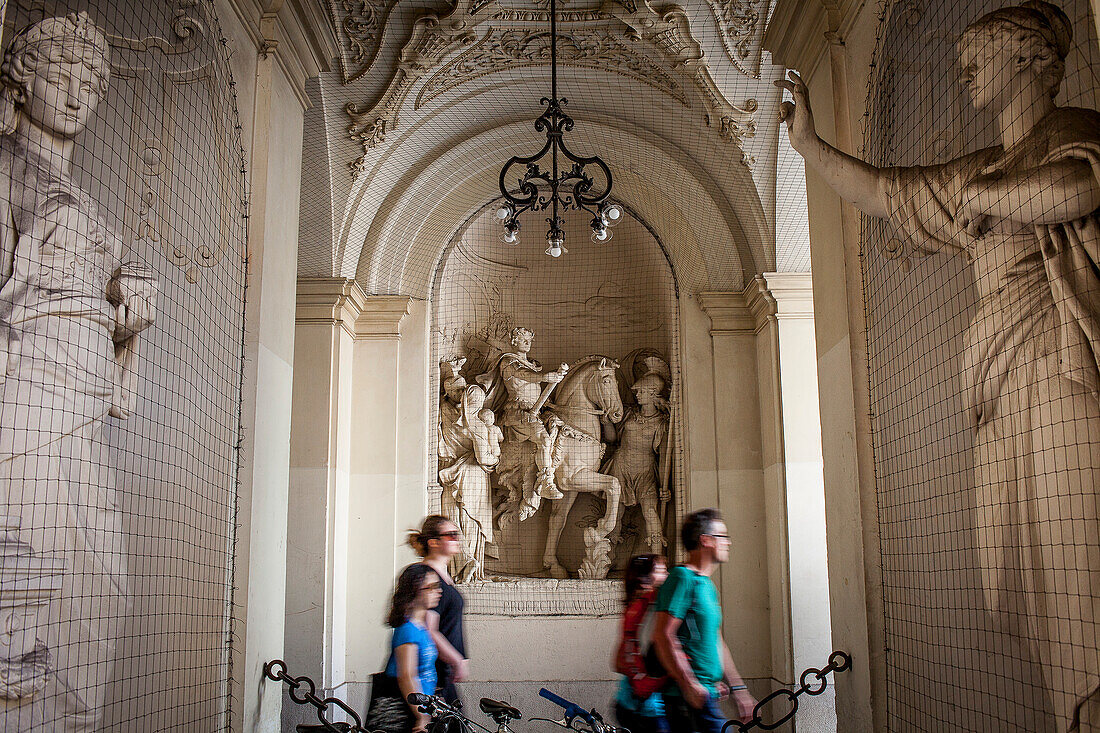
(411, 665)
(438, 541)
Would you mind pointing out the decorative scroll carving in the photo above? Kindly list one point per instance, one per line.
(432, 38)
(585, 47)
(151, 181)
(362, 28)
(671, 34)
(435, 38)
(738, 20)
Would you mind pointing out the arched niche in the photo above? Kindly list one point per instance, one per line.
(713, 242)
(611, 298)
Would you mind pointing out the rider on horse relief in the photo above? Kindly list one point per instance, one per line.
(516, 381)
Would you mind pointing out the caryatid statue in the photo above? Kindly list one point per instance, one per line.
(1025, 214)
(520, 384)
(70, 313)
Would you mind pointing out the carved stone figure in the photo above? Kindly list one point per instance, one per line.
(70, 312)
(517, 390)
(1025, 215)
(587, 393)
(640, 460)
(468, 451)
(452, 385)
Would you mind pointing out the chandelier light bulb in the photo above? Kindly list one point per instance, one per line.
(613, 214)
(601, 235)
(510, 236)
(554, 250)
(503, 213)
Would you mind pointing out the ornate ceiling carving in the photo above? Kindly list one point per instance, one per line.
(361, 23)
(738, 21)
(585, 46)
(479, 37)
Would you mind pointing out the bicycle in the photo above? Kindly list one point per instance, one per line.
(575, 718)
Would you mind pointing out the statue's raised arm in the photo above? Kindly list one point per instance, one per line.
(1012, 62)
(853, 180)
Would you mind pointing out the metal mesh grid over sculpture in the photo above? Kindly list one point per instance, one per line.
(121, 324)
(983, 301)
(565, 472)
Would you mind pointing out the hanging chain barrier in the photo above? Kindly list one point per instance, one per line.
(304, 692)
(812, 682)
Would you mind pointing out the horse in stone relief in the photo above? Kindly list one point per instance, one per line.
(588, 392)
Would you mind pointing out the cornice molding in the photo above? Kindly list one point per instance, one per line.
(767, 299)
(329, 301)
(381, 316)
(801, 30)
(339, 301)
(729, 313)
(299, 33)
(791, 292)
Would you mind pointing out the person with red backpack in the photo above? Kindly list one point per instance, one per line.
(638, 704)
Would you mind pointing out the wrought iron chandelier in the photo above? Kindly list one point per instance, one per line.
(555, 189)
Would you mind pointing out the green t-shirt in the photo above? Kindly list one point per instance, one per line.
(693, 599)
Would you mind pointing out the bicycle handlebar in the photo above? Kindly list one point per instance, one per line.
(572, 709)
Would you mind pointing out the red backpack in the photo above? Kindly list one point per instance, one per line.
(637, 667)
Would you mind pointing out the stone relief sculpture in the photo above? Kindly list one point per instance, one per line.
(518, 389)
(70, 314)
(642, 460)
(588, 393)
(1025, 215)
(469, 448)
(546, 450)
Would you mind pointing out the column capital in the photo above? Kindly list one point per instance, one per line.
(728, 312)
(793, 293)
(380, 316)
(331, 301)
(339, 301)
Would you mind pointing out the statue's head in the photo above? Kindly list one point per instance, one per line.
(648, 388)
(54, 73)
(454, 387)
(1016, 45)
(522, 338)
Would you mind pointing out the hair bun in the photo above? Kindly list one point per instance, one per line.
(1058, 22)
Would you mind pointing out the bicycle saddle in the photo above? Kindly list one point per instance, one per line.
(497, 710)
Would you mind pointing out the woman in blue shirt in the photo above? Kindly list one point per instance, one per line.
(411, 665)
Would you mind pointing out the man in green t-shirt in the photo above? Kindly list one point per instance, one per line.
(688, 633)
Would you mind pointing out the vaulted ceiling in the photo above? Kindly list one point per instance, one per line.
(406, 138)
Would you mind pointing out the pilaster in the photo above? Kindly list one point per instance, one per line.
(741, 493)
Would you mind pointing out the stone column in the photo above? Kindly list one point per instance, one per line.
(327, 309)
(765, 381)
(782, 308)
(376, 511)
(345, 503)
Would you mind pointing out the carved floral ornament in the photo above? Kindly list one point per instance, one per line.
(738, 21)
(480, 38)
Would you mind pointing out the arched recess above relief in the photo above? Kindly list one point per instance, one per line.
(711, 245)
(483, 37)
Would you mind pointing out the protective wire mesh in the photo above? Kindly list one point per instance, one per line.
(419, 149)
(121, 313)
(616, 299)
(403, 153)
(985, 422)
